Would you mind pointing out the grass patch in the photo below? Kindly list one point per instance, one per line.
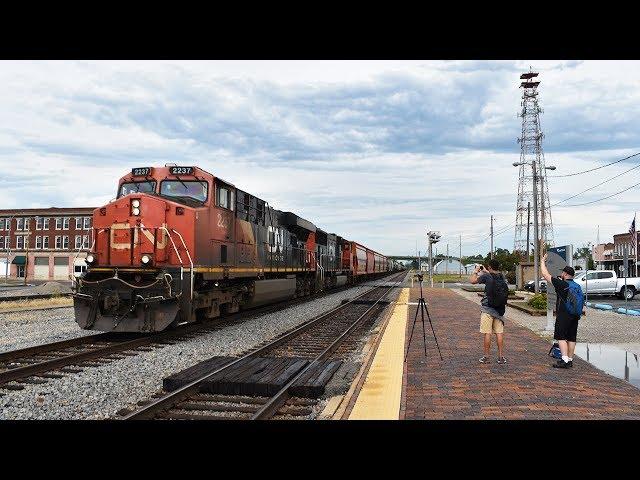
(36, 303)
(448, 277)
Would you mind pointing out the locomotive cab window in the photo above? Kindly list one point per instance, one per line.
(185, 191)
(224, 196)
(136, 187)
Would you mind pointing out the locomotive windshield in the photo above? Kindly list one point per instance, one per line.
(185, 190)
(137, 187)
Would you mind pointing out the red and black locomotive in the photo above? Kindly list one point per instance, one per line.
(178, 244)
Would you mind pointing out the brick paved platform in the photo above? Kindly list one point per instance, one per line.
(527, 387)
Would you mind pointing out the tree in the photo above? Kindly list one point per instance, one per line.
(585, 252)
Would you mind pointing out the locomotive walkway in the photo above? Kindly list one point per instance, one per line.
(459, 387)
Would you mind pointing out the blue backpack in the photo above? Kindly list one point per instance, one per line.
(575, 299)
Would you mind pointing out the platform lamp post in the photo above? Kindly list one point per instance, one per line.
(536, 245)
(434, 237)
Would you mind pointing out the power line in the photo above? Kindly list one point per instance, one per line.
(591, 188)
(604, 198)
(593, 169)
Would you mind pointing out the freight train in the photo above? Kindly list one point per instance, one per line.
(179, 244)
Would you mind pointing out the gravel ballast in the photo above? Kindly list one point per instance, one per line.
(100, 392)
(35, 327)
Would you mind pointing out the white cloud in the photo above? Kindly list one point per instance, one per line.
(377, 151)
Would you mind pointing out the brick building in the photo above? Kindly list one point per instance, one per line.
(44, 243)
(619, 242)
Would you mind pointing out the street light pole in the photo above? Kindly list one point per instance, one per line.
(536, 246)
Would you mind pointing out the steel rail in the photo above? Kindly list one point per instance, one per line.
(52, 347)
(73, 359)
(279, 399)
(170, 400)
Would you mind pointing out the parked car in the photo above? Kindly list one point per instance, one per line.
(607, 282)
(542, 286)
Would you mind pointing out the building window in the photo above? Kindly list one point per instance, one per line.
(19, 223)
(7, 225)
(1, 243)
(7, 245)
(38, 242)
(65, 242)
(58, 242)
(26, 223)
(45, 242)
(2, 223)
(78, 242)
(85, 241)
(19, 242)
(65, 224)
(87, 223)
(39, 222)
(78, 223)
(46, 224)
(58, 223)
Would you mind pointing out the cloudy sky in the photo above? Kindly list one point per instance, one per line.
(377, 151)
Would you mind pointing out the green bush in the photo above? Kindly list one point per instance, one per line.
(538, 301)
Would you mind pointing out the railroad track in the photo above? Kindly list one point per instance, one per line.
(298, 363)
(33, 297)
(42, 363)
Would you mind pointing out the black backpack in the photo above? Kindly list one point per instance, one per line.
(498, 293)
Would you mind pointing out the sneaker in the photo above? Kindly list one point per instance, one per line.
(484, 359)
(562, 364)
(502, 360)
(570, 363)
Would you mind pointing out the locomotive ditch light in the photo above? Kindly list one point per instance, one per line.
(146, 259)
(135, 203)
(90, 258)
(179, 211)
(135, 211)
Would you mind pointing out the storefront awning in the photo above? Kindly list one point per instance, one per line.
(19, 260)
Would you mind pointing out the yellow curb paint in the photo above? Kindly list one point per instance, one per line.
(380, 396)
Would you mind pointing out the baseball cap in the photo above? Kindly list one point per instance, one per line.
(569, 270)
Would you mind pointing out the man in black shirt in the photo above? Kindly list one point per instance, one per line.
(566, 329)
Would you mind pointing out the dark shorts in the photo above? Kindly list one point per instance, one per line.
(566, 329)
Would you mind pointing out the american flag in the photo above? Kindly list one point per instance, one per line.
(632, 229)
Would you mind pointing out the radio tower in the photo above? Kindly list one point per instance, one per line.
(531, 155)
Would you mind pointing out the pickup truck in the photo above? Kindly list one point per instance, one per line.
(606, 282)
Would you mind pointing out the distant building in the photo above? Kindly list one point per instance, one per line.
(470, 268)
(44, 243)
(450, 265)
(603, 256)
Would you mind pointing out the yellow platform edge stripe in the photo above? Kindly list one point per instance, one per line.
(379, 398)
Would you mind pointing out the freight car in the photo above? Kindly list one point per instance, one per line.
(179, 244)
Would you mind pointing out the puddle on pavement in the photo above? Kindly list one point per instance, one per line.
(612, 360)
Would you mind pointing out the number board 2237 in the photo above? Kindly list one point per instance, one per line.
(181, 170)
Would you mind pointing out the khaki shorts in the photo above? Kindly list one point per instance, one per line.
(488, 324)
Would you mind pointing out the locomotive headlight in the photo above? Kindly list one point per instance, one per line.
(90, 258)
(135, 211)
(135, 203)
(145, 259)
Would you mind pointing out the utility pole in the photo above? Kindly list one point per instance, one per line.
(460, 259)
(536, 245)
(446, 268)
(419, 262)
(528, 226)
(491, 237)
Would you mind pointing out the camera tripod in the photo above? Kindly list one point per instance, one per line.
(422, 307)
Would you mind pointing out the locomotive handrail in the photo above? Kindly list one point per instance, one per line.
(188, 256)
